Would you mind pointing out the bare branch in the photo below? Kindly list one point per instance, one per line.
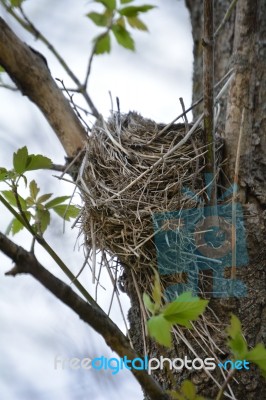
(28, 25)
(27, 263)
(32, 77)
(8, 87)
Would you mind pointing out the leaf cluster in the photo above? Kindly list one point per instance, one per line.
(184, 309)
(116, 19)
(35, 208)
(239, 349)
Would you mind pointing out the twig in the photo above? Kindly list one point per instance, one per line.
(108, 133)
(222, 389)
(30, 27)
(51, 252)
(192, 141)
(75, 107)
(93, 316)
(8, 87)
(184, 112)
(230, 72)
(111, 101)
(235, 190)
(58, 167)
(225, 18)
(89, 67)
(93, 251)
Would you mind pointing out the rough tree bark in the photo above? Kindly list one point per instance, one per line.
(239, 45)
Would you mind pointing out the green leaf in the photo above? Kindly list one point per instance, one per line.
(16, 226)
(8, 229)
(44, 197)
(1, 69)
(9, 195)
(7, 174)
(148, 303)
(184, 309)
(121, 21)
(103, 44)
(30, 202)
(188, 389)
(123, 37)
(56, 201)
(37, 161)
(136, 23)
(3, 174)
(110, 4)
(258, 357)
(175, 395)
(67, 211)
(187, 392)
(133, 11)
(16, 3)
(43, 218)
(98, 19)
(34, 190)
(126, 1)
(160, 329)
(20, 159)
(236, 343)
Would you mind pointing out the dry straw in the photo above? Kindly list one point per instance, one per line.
(135, 168)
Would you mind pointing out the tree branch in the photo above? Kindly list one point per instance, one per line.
(27, 263)
(208, 85)
(32, 77)
(31, 28)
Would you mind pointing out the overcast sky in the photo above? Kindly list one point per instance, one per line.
(35, 327)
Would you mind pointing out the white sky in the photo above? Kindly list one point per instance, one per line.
(35, 327)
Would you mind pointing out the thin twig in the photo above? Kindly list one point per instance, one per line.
(93, 252)
(225, 18)
(89, 67)
(222, 389)
(235, 190)
(184, 112)
(217, 98)
(8, 87)
(192, 141)
(75, 107)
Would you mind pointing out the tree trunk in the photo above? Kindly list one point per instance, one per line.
(238, 45)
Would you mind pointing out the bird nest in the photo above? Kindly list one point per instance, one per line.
(134, 169)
